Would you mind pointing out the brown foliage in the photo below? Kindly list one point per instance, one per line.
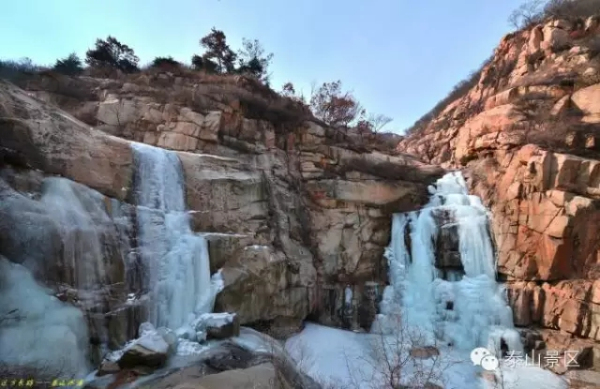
(249, 95)
(333, 106)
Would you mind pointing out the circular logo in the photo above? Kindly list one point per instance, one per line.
(478, 354)
(489, 363)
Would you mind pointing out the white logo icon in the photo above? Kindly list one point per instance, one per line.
(483, 357)
(478, 354)
(490, 363)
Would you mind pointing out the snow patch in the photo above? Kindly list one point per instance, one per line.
(152, 341)
(348, 359)
(216, 320)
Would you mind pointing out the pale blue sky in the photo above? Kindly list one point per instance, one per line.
(399, 57)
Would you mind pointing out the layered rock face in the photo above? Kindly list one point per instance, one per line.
(527, 136)
(296, 217)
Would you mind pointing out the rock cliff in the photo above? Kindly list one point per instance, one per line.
(527, 136)
(297, 214)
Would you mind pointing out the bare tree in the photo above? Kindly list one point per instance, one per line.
(400, 358)
(218, 55)
(527, 14)
(571, 8)
(378, 121)
(373, 124)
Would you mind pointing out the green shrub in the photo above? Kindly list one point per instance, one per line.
(165, 63)
(70, 65)
(112, 54)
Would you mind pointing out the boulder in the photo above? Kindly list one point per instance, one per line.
(107, 367)
(218, 325)
(230, 357)
(150, 350)
(264, 375)
(588, 101)
(555, 38)
(42, 137)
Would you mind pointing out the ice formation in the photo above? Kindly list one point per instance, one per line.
(176, 258)
(179, 289)
(456, 311)
(35, 325)
(348, 296)
(465, 311)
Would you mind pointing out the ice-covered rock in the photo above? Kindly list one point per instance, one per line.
(169, 337)
(150, 350)
(186, 332)
(218, 325)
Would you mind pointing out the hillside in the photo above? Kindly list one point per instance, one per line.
(527, 134)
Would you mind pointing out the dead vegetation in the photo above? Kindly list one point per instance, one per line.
(459, 91)
(536, 11)
(558, 131)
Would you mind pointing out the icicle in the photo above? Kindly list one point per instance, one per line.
(465, 311)
(176, 258)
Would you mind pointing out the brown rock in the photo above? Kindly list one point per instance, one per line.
(225, 330)
(48, 139)
(261, 285)
(567, 306)
(107, 367)
(138, 355)
(535, 39)
(592, 142)
(557, 227)
(561, 106)
(555, 39)
(264, 375)
(541, 199)
(588, 101)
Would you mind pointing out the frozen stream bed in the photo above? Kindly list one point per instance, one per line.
(344, 359)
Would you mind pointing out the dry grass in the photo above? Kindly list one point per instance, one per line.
(203, 92)
(562, 133)
(459, 91)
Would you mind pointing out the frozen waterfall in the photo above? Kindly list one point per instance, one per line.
(79, 271)
(176, 259)
(35, 325)
(465, 309)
